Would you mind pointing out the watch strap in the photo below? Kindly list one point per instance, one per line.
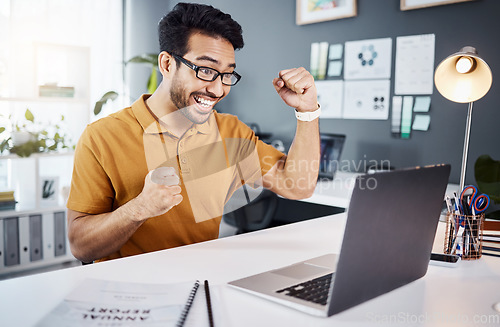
(308, 115)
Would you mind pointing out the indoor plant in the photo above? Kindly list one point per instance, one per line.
(30, 136)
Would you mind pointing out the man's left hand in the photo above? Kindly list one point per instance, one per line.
(296, 87)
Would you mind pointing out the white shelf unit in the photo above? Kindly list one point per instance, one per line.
(33, 239)
(34, 235)
(24, 176)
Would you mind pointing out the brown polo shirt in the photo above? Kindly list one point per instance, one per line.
(213, 159)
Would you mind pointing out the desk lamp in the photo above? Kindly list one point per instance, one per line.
(463, 77)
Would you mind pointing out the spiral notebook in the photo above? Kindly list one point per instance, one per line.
(108, 303)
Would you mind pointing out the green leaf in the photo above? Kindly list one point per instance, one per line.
(4, 145)
(153, 81)
(111, 95)
(145, 58)
(29, 116)
(98, 107)
(2, 129)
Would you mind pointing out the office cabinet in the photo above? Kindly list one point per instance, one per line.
(34, 234)
(33, 239)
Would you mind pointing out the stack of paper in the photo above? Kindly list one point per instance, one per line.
(491, 240)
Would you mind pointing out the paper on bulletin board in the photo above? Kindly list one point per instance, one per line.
(414, 70)
(323, 60)
(397, 103)
(335, 68)
(330, 95)
(314, 63)
(335, 51)
(421, 123)
(422, 104)
(368, 59)
(406, 115)
(366, 99)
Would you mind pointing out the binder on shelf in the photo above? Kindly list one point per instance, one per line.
(2, 252)
(11, 241)
(48, 235)
(36, 244)
(59, 233)
(24, 240)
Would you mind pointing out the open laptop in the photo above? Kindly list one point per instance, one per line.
(331, 146)
(391, 224)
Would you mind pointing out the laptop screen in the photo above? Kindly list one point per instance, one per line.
(331, 146)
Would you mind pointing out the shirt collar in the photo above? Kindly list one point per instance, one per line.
(150, 125)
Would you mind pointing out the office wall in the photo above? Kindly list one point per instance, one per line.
(140, 36)
(275, 42)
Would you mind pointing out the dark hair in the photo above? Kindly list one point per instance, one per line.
(175, 28)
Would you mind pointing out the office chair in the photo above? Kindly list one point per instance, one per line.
(256, 215)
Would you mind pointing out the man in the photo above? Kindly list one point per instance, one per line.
(118, 206)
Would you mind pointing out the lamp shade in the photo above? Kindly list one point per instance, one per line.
(463, 77)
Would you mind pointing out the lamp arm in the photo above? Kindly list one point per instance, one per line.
(466, 147)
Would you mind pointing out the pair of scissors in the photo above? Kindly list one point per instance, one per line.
(476, 202)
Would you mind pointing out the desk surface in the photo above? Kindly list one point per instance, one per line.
(444, 297)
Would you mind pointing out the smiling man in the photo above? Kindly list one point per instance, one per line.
(120, 202)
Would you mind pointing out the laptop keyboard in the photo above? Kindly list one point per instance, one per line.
(315, 290)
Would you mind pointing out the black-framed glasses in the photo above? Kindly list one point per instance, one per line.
(209, 74)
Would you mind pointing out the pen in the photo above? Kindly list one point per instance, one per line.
(209, 304)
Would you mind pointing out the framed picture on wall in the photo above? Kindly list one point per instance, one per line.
(49, 191)
(314, 11)
(417, 4)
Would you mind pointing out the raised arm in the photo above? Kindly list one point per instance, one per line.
(295, 175)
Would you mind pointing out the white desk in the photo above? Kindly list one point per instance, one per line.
(444, 297)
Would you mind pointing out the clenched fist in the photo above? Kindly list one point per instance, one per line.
(297, 89)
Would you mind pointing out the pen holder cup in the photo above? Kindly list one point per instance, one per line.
(464, 235)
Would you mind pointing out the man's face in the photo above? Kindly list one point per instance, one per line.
(196, 98)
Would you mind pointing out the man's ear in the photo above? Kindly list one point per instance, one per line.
(166, 63)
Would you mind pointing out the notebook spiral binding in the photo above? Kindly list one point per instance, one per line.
(188, 305)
